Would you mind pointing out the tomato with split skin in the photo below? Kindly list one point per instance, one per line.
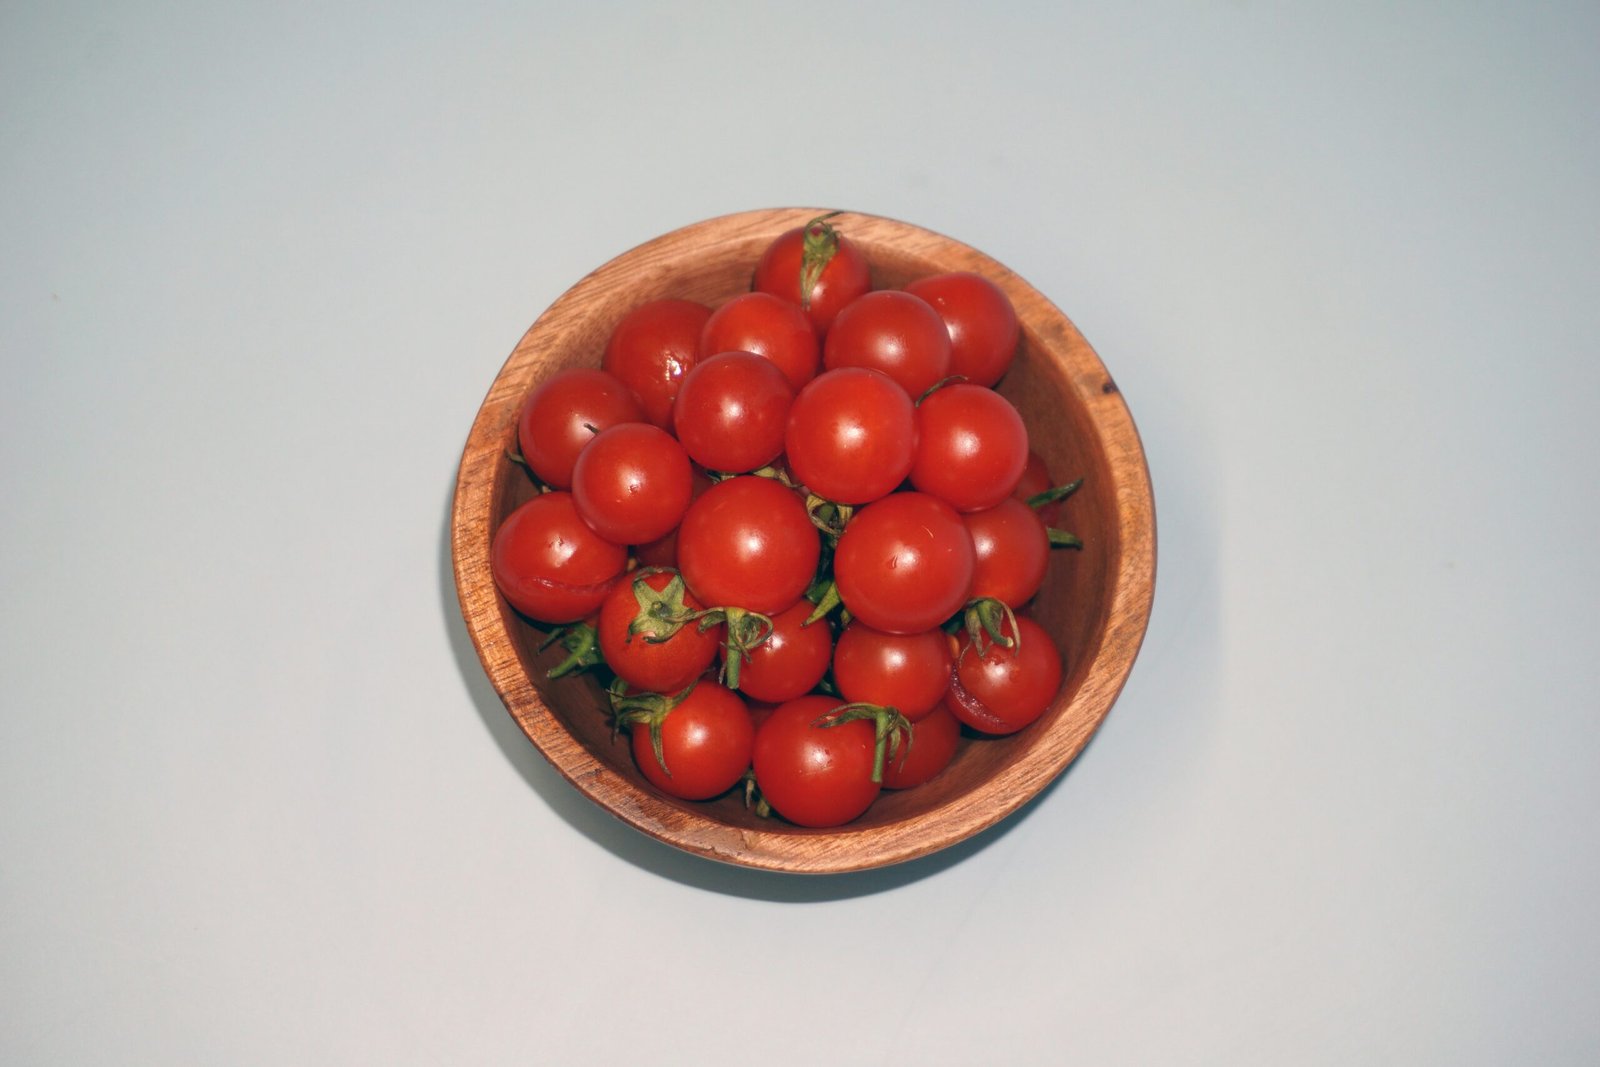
(1001, 690)
(549, 564)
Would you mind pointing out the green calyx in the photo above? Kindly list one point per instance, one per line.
(828, 517)
(938, 385)
(662, 612)
(1058, 538)
(746, 631)
(890, 728)
(633, 710)
(816, 252)
(582, 643)
(987, 621)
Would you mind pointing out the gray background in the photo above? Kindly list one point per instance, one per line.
(260, 263)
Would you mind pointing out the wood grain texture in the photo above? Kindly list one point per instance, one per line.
(1096, 602)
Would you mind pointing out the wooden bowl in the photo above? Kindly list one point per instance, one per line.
(1096, 602)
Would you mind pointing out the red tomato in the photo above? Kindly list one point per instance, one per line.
(791, 661)
(980, 320)
(1011, 549)
(1035, 480)
(852, 435)
(926, 752)
(904, 563)
(562, 416)
(811, 774)
(651, 350)
(907, 672)
(665, 655)
(1005, 689)
(549, 564)
(632, 483)
(767, 326)
(972, 446)
(663, 551)
(893, 332)
(732, 412)
(706, 742)
(748, 542)
(818, 254)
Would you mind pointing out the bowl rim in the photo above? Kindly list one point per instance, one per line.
(790, 849)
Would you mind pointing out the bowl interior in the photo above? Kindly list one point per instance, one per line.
(1095, 602)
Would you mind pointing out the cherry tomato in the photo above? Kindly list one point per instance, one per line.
(894, 332)
(663, 551)
(632, 483)
(816, 253)
(767, 326)
(664, 656)
(791, 661)
(972, 446)
(981, 322)
(651, 350)
(908, 672)
(904, 563)
(1036, 479)
(549, 564)
(748, 542)
(732, 412)
(706, 744)
(562, 416)
(811, 774)
(926, 752)
(1011, 551)
(852, 435)
(1005, 689)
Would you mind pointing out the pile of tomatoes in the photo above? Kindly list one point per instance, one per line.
(797, 531)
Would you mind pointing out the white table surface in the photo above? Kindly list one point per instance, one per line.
(258, 803)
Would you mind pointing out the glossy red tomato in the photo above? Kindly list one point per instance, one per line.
(663, 551)
(904, 563)
(928, 750)
(815, 267)
(767, 326)
(811, 774)
(666, 653)
(1005, 689)
(894, 332)
(651, 350)
(1011, 550)
(791, 661)
(706, 744)
(632, 483)
(908, 672)
(972, 446)
(747, 542)
(732, 412)
(549, 564)
(981, 322)
(562, 416)
(852, 435)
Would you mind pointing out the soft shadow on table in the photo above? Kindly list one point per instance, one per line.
(641, 850)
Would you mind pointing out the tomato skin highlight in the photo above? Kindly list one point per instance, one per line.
(980, 319)
(852, 435)
(846, 276)
(1011, 551)
(972, 447)
(652, 348)
(927, 752)
(732, 411)
(904, 563)
(908, 672)
(561, 417)
(791, 661)
(890, 330)
(549, 564)
(813, 775)
(747, 542)
(769, 327)
(653, 666)
(706, 742)
(632, 483)
(1003, 690)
